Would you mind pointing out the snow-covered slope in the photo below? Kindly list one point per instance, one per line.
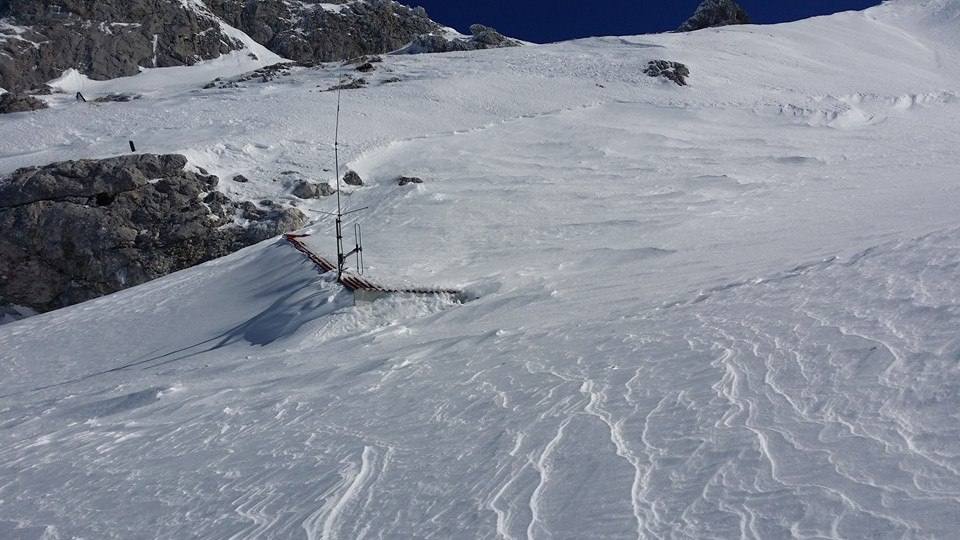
(721, 311)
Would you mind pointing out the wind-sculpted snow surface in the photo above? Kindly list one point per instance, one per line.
(815, 403)
(726, 310)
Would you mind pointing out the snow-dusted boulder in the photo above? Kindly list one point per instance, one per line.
(75, 230)
(311, 190)
(349, 83)
(117, 98)
(406, 180)
(671, 71)
(11, 103)
(351, 178)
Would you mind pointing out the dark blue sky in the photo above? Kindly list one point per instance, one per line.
(544, 21)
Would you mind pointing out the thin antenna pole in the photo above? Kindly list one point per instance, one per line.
(336, 145)
(336, 172)
(358, 247)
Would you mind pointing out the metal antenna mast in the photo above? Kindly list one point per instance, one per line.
(358, 247)
(336, 172)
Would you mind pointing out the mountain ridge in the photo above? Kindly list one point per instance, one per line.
(105, 39)
(714, 14)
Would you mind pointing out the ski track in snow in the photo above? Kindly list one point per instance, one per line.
(722, 311)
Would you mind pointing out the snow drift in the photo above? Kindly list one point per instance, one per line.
(725, 310)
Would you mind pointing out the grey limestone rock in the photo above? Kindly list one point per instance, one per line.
(12, 103)
(310, 190)
(351, 178)
(349, 84)
(671, 71)
(76, 230)
(103, 39)
(326, 189)
(482, 37)
(10, 313)
(311, 31)
(117, 98)
(306, 190)
(714, 13)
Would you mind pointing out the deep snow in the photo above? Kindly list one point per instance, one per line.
(721, 311)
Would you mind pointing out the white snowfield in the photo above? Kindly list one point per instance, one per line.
(728, 310)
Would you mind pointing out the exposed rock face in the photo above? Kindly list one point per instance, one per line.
(672, 71)
(714, 13)
(40, 39)
(103, 39)
(11, 103)
(311, 31)
(76, 230)
(483, 38)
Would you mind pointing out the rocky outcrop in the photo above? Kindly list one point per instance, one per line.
(714, 13)
(103, 39)
(311, 31)
(348, 83)
(482, 37)
(117, 98)
(76, 230)
(671, 71)
(263, 75)
(11, 103)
